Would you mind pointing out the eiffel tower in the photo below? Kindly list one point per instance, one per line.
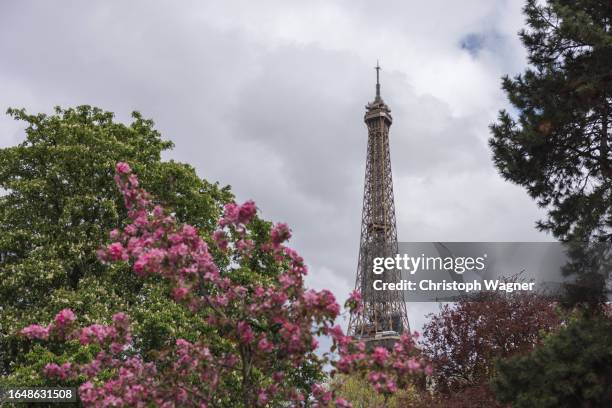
(384, 316)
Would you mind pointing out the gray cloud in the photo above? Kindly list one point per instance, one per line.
(269, 97)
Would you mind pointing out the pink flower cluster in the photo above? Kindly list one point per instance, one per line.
(61, 372)
(279, 234)
(387, 369)
(62, 324)
(238, 215)
(96, 334)
(36, 331)
(270, 328)
(354, 303)
(64, 318)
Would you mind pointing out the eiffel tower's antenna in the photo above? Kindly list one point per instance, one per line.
(377, 68)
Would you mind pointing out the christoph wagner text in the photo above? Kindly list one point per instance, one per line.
(467, 287)
(413, 264)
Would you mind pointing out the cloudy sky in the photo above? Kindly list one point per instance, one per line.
(269, 96)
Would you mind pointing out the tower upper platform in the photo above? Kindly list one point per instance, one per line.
(378, 108)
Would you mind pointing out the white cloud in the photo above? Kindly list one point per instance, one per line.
(268, 96)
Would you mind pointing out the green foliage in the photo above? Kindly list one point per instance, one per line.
(572, 368)
(60, 204)
(359, 392)
(557, 145)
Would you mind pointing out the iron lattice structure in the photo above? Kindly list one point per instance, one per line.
(384, 316)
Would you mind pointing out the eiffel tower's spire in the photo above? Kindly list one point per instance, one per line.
(377, 68)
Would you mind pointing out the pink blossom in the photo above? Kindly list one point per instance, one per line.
(133, 180)
(115, 234)
(120, 319)
(342, 403)
(391, 386)
(245, 333)
(354, 303)
(413, 365)
(333, 309)
(321, 394)
(355, 296)
(123, 168)
(230, 214)
(314, 343)
(96, 334)
(220, 239)
(220, 300)
(35, 331)
(286, 280)
(238, 215)
(280, 233)
(246, 212)
(264, 345)
(380, 355)
(117, 348)
(178, 251)
(180, 293)
(259, 291)
(92, 369)
(245, 245)
(116, 252)
(158, 211)
(149, 261)
(375, 376)
(189, 232)
(182, 343)
(62, 372)
(64, 318)
(262, 398)
(311, 298)
(131, 229)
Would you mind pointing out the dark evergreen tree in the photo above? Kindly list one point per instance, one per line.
(557, 145)
(572, 368)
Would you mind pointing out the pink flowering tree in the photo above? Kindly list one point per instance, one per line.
(269, 329)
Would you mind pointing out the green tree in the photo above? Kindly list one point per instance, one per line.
(572, 368)
(59, 204)
(557, 145)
